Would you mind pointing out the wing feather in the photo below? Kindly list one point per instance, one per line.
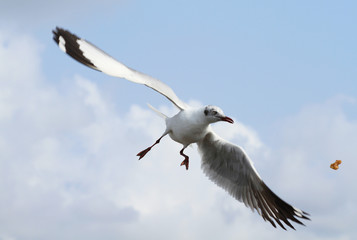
(93, 57)
(229, 167)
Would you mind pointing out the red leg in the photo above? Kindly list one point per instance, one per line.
(144, 152)
(186, 161)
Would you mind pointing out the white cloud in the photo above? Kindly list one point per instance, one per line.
(310, 141)
(68, 163)
(68, 168)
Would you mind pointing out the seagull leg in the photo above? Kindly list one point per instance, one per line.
(144, 152)
(186, 161)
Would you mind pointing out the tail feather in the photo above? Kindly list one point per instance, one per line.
(157, 111)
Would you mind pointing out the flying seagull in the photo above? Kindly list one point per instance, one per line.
(224, 163)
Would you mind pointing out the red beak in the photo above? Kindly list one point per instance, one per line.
(227, 119)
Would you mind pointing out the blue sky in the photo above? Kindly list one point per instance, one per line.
(284, 70)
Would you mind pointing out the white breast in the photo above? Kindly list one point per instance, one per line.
(187, 127)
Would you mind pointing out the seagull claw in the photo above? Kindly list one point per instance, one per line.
(185, 162)
(143, 153)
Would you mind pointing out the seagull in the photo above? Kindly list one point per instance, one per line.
(225, 163)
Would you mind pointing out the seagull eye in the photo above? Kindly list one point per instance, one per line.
(214, 112)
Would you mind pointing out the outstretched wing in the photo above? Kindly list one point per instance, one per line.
(229, 167)
(91, 56)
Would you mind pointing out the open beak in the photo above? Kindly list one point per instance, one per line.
(227, 119)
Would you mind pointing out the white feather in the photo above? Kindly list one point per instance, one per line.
(157, 111)
(107, 64)
(62, 44)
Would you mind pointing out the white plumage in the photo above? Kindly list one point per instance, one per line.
(224, 163)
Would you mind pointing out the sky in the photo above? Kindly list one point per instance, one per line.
(285, 71)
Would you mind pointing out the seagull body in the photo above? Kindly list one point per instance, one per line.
(188, 126)
(224, 163)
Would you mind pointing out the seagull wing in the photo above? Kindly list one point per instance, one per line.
(229, 167)
(91, 56)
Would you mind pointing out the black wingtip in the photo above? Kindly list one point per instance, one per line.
(280, 211)
(305, 213)
(71, 46)
(55, 35)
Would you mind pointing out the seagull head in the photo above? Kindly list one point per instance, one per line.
(215, 114)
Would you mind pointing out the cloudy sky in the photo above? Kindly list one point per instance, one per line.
(285, 71)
